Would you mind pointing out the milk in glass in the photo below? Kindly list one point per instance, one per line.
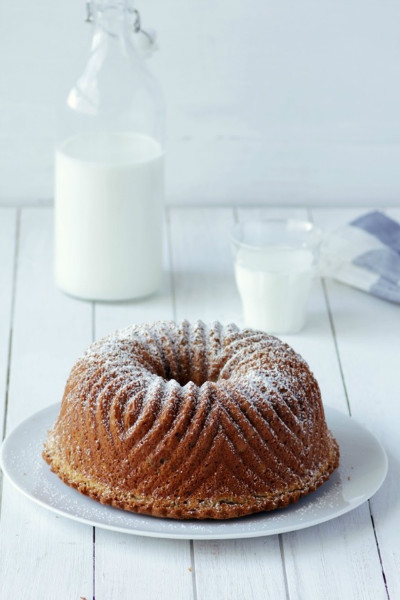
(274, 286)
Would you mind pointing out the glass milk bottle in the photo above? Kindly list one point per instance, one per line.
(109, 181)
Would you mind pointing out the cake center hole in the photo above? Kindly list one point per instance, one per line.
(193, 371)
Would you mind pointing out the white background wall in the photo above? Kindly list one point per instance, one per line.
(268, 101)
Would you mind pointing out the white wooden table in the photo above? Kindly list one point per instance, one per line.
(352, 343)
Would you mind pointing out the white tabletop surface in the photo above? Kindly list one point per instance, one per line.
(352, 343)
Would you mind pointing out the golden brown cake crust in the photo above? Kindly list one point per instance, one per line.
(192, 422)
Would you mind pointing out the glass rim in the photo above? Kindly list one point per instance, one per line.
(313, 233)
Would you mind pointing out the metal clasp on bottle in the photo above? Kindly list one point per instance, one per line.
(146, 38)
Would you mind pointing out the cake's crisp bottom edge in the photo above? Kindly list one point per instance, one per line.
(181, 509)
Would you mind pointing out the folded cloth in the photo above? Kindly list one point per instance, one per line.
(365, 254)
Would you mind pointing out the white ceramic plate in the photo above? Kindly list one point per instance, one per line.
(363, 467)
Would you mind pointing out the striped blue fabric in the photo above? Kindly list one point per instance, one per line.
(385, 261)
(366, 254)
(382, 227)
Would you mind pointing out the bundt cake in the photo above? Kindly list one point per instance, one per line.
(192, 421)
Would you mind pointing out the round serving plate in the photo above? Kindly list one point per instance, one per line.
(362, 470)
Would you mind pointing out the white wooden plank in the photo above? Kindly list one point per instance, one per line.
(43, 556)
(137, 567)
(205, 289)
(117, 315)
(338, 559)
(368, 333)
(8, 223)
(329, 547)
(51, 555)
(110, 317)
(238, 569)
(50, 329)
(125, 563)
(203, 280)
